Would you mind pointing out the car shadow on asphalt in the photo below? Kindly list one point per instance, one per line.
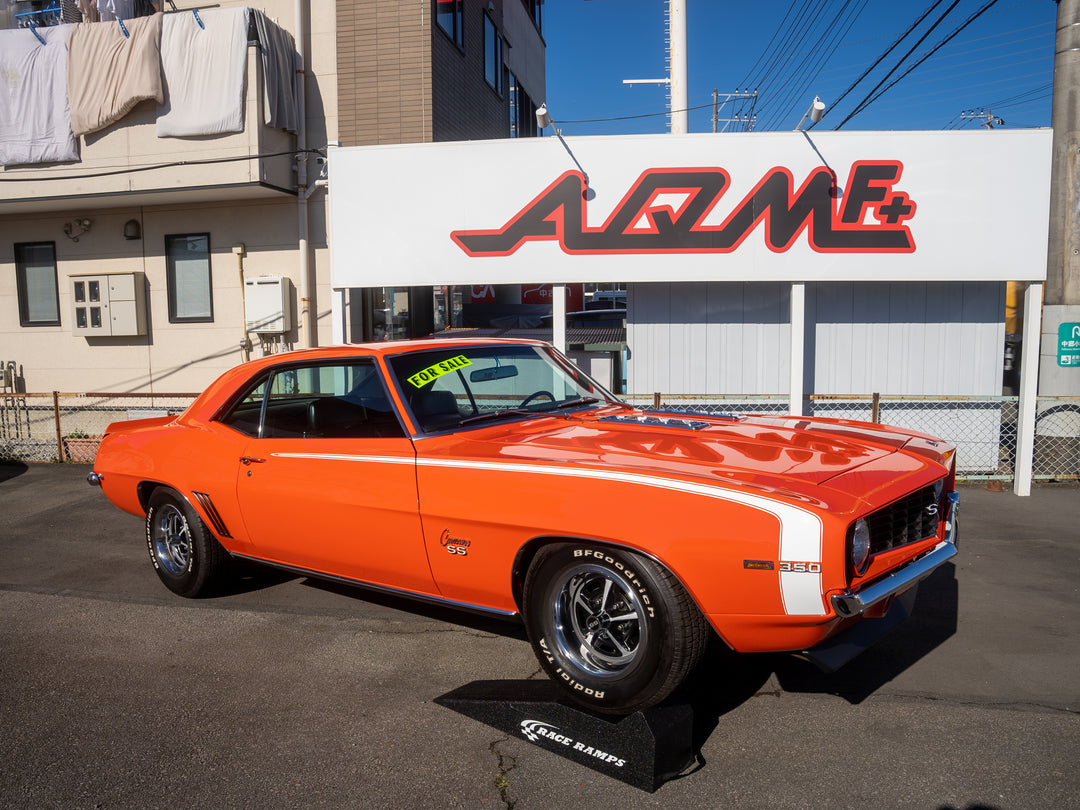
(725, 680)
(481, 622)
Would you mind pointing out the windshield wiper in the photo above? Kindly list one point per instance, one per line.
(577, 401)
(494, 414)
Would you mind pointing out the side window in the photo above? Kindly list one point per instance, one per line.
(35, 279)
(244, 415)
(190, 285)
(326, 401)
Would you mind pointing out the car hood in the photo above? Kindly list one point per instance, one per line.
(787, 453)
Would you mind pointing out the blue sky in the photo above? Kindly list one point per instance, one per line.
(1002, 61)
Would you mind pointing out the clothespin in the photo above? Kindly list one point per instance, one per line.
(123, 28)
(198, 19)
(33, 31)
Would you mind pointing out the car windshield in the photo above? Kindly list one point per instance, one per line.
(465, 385)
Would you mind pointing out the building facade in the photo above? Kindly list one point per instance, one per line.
(156, 254)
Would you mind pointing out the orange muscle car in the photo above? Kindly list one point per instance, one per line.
(494, 475)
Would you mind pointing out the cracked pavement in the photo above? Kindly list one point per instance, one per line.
(288, 692)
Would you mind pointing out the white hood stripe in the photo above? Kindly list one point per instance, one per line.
(800, 529)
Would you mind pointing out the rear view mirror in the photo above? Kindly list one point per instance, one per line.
(493, 373)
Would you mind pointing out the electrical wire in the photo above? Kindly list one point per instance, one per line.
(151, 167)
(821, 52)
(868, 100)
(887, 51)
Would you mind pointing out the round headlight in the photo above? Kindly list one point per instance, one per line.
(860, 547)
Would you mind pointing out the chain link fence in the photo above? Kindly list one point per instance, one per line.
(68, 427)
(984, 429)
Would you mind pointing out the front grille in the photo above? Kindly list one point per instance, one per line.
(908, 520)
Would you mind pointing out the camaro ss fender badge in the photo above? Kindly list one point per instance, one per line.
(454, 545)
(646, 219)
(534, 730)
(433, 372)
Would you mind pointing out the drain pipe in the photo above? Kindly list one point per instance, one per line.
(308, 331)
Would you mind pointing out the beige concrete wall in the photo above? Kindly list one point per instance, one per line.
(171, 357)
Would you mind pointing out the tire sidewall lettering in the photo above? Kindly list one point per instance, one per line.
(150, 543)
(632, 576)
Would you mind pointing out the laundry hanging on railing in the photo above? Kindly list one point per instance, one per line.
(35, 122)
(281, 95)
(111, 68)
(205, 68)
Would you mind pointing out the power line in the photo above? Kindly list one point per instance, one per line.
(174, 164)
(868, 101)
(889, 50)
(822, 50)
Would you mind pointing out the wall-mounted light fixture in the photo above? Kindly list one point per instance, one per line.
(816, 111)
(76, 228)
(132, 229)
(544, 120)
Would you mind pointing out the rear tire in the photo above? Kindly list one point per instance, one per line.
(186, 557)
(616, 630)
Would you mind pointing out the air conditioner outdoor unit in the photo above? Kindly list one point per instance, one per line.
(268, 303)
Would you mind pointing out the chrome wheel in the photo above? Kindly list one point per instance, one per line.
(172, 539)
(599, 621)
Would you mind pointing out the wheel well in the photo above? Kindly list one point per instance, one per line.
(146, 489)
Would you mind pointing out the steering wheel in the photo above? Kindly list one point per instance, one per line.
(534, 395)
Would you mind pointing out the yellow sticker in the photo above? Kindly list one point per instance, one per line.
(432, 373)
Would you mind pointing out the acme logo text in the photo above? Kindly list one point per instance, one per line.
(665, 212)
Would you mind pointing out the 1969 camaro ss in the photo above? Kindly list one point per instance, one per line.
(494, 475)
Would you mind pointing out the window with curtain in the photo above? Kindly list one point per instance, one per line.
(188, 278)
(35, 280)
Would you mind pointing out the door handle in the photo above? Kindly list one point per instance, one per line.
(246, 460)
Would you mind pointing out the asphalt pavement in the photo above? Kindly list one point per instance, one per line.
(287, 692)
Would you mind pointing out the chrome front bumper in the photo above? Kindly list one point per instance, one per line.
(852, 604)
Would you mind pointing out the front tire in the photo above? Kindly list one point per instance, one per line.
(187, 558)
(616, 630)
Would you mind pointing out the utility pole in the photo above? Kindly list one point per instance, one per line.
(717, 106)
(680, 115)
(1061, 302)
(989, 120)
(676, 62)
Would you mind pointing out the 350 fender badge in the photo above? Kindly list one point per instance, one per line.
(454, 545)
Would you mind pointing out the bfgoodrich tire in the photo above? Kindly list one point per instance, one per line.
(616, 630)
(187, 558)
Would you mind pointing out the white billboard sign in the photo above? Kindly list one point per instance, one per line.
(860, 206)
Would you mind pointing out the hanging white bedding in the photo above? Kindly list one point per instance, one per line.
(204, 68)
(35, 122)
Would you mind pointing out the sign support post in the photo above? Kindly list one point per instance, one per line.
(1029, 383)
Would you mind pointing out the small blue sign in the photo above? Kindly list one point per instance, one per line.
(1069, 345)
